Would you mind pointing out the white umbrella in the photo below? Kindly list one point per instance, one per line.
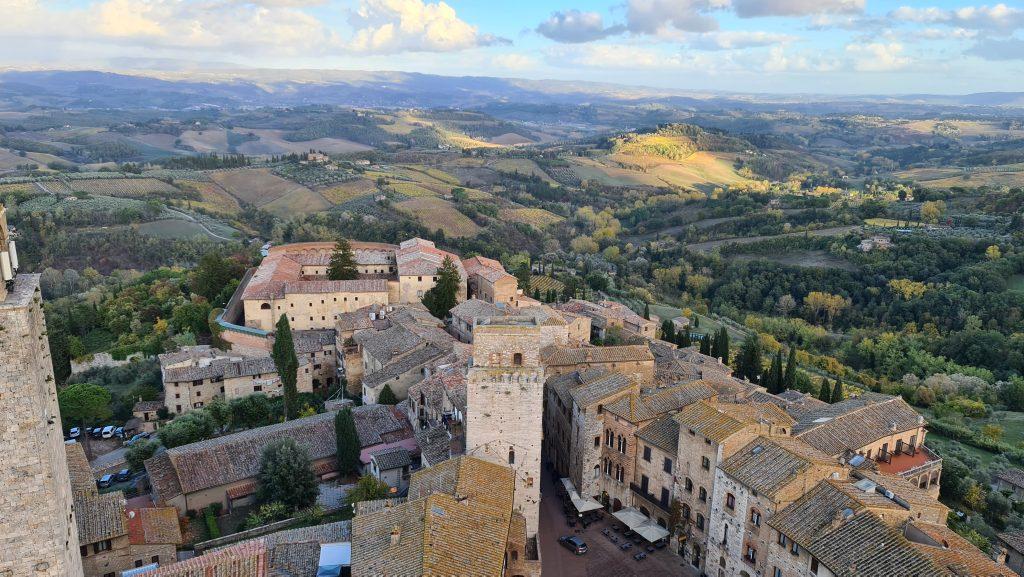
(651, 531)
(631, 517)
(583, 504)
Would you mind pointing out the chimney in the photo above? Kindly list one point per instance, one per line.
(396, 533)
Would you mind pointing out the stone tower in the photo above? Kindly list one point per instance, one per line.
(505, 402)
(38, 533)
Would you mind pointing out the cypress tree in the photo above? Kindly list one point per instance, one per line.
(723, 345)
(837, 392)
(789, 380)
(440, 299)
(343, 262)
(705, 345)
(668, 331)
(775, 375)
(825, 392)
(748, 361)
(683, 338)
(287, 365)
(536, 294)
(387, 396)
(348, 441)
(647, 311)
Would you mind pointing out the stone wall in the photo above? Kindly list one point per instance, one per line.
(38, 533)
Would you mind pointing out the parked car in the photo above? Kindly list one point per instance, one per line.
(105, 481)
(574, 544)
(74, 433)
(123, 475)
(119, 432)
(95, 432)
(108, 431)
(135, 439)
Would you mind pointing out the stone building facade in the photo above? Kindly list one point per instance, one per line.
(37, 520)
(505, 403)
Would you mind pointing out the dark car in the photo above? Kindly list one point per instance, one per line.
(574, 544)
(105, 481)
(123, 475)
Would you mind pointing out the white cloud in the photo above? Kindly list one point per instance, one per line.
(877, 56)
(573, 26)
(999, 18)
(669, 17)
(514, 61)
(738, 39)
(758, 8)
(390, 26)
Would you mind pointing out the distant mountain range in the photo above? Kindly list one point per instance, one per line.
(179, 90)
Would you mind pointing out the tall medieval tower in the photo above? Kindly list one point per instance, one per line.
(38, 533)
(505, 404)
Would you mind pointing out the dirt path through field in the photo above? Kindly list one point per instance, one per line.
(713, 244)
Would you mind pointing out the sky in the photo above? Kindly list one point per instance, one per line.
(774, 46)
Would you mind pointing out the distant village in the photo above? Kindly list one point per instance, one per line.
(501, 434)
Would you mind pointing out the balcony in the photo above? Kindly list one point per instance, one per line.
(908, 461)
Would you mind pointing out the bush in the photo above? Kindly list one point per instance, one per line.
(211, 522)
(137, 454)
(267, 513)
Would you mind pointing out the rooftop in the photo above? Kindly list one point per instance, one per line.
(613, 354)
(856, 422)
(392, 458)
(768, 464)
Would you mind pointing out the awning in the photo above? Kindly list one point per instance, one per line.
(631, 517)
(651, 531)
(639, 523)
(582, 504)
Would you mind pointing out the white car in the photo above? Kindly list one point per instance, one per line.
(108, 431)
(74, 433)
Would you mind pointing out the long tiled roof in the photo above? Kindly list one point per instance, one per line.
(768, 464)
(455, 522)
(470, 309)
(99, 517)
(283, 267)
(1012, 476)
(582, 355)
(590, 392)
(231, 458)
(376, 424)
(296, 552)
(388, 343)
(368, 285)
(246, 559)
(435, 444)
(313, 341)
(82, 481)
(710, 420)
(952, 553)
(856, 422)
(408, 362)
(849, 539)
(392, 458)
(637, 408)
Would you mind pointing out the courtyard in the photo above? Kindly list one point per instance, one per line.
(604, 557)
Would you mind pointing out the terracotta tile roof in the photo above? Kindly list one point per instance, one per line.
(1013, 540)
(154, 526)
(856, 422)
(590, 392)
(445, 381)
(951, 552)
(296, 552)
(392, 458)
(313, 341)
(82, 480)
(376, 424)
(762, 412)
(246, 559)
(163, 479)
(388, 343)
(455, 522)
(435, 444)
(147, 406)
(189, 353)
(1012, 476)
(471, 309)
(638, 407)
(545, 314)
(769, 464)
(919, 499)
(284, 264)
(232, 458)
(848, 539)
(419, 257)
(663, 433)
(243, 490)
(710, 420)
(101, 517)
(415, 360)
(372, 285)
(474, 265)
(580, 355)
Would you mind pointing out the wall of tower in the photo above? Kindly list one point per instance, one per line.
(38, 533)
(505, 404)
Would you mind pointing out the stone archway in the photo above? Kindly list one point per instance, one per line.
(616, 505)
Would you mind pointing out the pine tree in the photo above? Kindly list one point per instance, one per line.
(440, 299)
(837, 392)
(668, 331)
(343, 262)
(775, 385)
(348, 442)
(789, 379)
(287, 365)
(825, 392)
(387, 396)
(723, 345)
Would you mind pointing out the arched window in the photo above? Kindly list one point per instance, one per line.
(686, 512)
(265, 307)
(703, 494)
(730, 500)
(517, 359)
(511, 456)
(689, 485)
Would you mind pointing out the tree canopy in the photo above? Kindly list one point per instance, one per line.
(348, 441)
(287, 363)
(286, 476)
(343, 262)
(444, 295)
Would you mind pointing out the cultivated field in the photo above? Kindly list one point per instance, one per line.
(1011, 175)
(215, 199)
(213, 140)
(126, 187)
(537, 217)
(434, 213)
(711, 245)
(520, 165)
(349, 190)
(273, 142)
(255, 186)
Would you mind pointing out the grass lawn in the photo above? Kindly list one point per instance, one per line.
(1016, 283)
(944, 445)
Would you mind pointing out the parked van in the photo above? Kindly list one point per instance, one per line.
(108, 431)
